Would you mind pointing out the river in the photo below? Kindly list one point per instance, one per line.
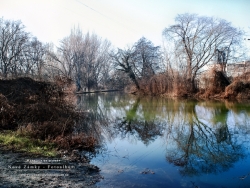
(159, 142)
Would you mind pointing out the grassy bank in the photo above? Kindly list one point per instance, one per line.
(13, 140)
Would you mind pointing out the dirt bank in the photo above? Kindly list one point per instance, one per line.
(43, 111)
(83, 175)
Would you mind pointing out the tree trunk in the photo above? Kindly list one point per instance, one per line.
(133, 78)
(192, 85)
(4, 71)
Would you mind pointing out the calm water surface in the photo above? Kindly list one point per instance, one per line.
(158, 142)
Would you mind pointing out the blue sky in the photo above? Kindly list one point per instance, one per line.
(122, 22)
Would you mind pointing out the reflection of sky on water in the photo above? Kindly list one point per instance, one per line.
(125, 160)
(185, 144)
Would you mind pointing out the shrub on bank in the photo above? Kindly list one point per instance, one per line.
(238, 89)
(41, 110)
(216, 82)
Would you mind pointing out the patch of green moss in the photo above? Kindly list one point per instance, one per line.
(26, 144)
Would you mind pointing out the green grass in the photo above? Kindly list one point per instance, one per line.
(26, 144)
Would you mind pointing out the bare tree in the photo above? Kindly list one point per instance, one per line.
(13, 43)
(141, 61)
(123, 61)
(97, 60)
(82, 58)
(197, 39)
(20, 53)
(146, 57)
(33, 59)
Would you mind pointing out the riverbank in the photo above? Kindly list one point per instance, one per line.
(216, 85)
(97, 91)
(44, 111)
(83, 175)
(37, 122)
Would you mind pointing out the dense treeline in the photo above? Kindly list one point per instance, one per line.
(93, 63)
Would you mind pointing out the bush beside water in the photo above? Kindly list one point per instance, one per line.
(41, 111)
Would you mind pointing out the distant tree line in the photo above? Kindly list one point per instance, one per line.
(93, 63)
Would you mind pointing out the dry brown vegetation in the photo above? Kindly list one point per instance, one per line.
(78, 141)
(213, 84)
(164, 84)
(156, 85)
(41, 110)
(238, 90)
(217, 85)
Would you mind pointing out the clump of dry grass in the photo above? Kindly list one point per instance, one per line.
(77, 141)
(238, 89)
(155, 85)
(215, 84)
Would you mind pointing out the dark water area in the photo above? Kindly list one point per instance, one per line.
(159, 142)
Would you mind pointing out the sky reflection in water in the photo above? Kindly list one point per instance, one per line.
(158, 142)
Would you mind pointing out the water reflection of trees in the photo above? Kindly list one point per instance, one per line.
(200, 146)
(100, 113)
(121, 115)
(95, 120)
(137, 123)
(199, 137)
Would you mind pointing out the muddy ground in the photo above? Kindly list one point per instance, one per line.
(83, 175)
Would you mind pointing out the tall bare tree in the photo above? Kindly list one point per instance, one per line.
(141, 61)
(146, 57)
(82, 58)
(123, 61)
(20, 53)
(197, 39)
(33, 60)
(13, 43)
